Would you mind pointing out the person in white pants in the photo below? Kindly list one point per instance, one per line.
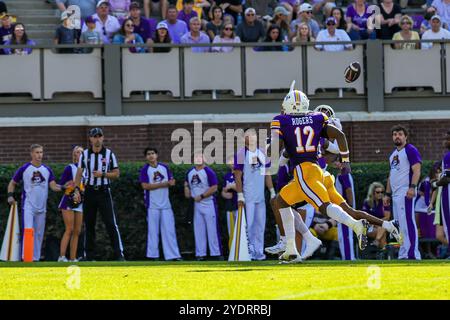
(156, 178)
(36, 178)
(249, 165)
(345, 187)
(405, 163)
(201, 185)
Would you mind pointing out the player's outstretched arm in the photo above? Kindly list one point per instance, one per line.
(11, 187)
(335, 133)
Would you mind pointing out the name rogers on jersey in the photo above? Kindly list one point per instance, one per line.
(302, 120)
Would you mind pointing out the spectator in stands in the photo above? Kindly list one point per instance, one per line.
(87, 7)
(228, 18)
(65, 35)
(280, 19)
(90, 36)
(156, 5)
(177, 28)
(391, 14)
(338, 15)
(373, 205)
(273, 35)
(146, 28)
(356, 17)
(120, 8)
(3, 8)
(198, 6)
(106, 24)
(406, 34)
(291, 5)
(227, 35)
(331, 34)
(442, 8)
(187, 13)
(324, 6)
(250, 30)
(126, 35)
(435, 33)
(303, 34)
(214, 26)
(305, 15)
(262, 7)
(6, 30)
(162, 36)
(233, 7)
(195, 36)
(19, 37)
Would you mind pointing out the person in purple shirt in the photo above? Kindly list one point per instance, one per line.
(144, 27)
(356, 17)
(19, 37)
(177, 28)
(405, 166)
(201, 186)
(187, 13)
(195, 36)
(373, 204)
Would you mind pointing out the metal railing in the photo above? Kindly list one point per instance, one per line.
(111, 73)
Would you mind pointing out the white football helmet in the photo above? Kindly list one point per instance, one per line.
(328, 111)
(295, 102)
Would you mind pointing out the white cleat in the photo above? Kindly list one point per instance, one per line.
(395, 232)
(62, 259)
(290, 258)
(361, 233)
(280, 247)
(311, 246)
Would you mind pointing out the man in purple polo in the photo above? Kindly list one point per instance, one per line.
(144, 27)
(187, 13)
(195, 36)
(405, 163)
(177, 28)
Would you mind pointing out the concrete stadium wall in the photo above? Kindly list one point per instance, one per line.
(369, 141)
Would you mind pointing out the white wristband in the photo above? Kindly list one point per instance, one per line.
(240, 197)
(333, 147)
(272, 193)
(283, 160)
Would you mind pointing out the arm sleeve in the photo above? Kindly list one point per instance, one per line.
(143, 176)
(51, 176)
(66, 175)
(212, 177)
(18, 176)
(239, 159)
(413, 155)
(169, 173)
(113, 161)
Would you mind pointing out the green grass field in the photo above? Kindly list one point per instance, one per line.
(223, 280)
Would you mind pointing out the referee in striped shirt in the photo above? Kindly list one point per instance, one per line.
(101, 167)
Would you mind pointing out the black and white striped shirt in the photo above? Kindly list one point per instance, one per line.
(104, 161)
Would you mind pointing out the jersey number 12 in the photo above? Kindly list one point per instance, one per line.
(307, 131)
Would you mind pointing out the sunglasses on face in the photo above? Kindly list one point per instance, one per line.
(228, 29)
(250, 14)
(405, 22)
(379, 192)
(308, 12)
(128, 25)
(331, 24)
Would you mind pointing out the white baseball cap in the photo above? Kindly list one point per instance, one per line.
(249, 10)
(162, 25)
(103, 2)
(436, 17)
(305, 7)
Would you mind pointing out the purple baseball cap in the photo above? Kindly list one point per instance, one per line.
(90, 19)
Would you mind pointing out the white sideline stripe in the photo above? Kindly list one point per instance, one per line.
(207, 118)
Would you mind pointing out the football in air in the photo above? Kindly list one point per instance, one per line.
(352, 72)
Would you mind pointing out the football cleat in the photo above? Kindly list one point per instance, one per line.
(396, 233)
(280, 247)
(362, 234)
(311, 246)
(290, 258)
